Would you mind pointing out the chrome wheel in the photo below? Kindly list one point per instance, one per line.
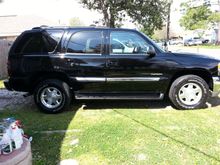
(190, 94)
(51, 97)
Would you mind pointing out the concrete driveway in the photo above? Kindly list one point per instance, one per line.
(12, 99)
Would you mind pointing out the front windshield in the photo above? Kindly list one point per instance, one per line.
(153, 43)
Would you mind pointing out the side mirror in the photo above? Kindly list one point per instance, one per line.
(151, 51)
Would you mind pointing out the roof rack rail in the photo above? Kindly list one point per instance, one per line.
(40, 27)
(45, 26)
(92, 25)
(36, 28)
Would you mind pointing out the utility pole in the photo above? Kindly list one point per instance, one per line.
(218, 24)
(168, 21)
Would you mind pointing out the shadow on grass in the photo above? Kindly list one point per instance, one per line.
(169, 137)
(49, 150)
(133, 104)
(214, 101)
(123, 104)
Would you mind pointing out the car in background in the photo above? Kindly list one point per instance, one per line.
(176, 42)
(195, 41)
(188, 42)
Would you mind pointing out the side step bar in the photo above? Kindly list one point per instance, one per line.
(119, 96)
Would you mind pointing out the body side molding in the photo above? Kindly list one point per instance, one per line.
(117, 79)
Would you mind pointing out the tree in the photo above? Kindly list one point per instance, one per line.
(146, 14)
(75, 21)
(198, 17)
(149, 14)
(160, 34)
(214, 18)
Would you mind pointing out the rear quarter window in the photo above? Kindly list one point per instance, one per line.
(42, 42)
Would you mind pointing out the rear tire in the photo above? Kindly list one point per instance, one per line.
(189, 92)
(52, 96)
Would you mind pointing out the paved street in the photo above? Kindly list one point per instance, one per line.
(210, 52)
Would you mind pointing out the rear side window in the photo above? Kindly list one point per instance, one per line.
(39, 42)
(88, 42)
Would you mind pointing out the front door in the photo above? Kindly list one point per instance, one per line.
(129, 68)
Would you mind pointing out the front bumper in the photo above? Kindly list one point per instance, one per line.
(216, 86)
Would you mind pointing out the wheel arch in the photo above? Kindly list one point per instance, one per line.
(38, 77)
(204, 74)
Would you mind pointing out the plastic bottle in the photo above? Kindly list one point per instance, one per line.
(16, 135)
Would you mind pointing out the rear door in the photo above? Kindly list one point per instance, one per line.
(84, 60)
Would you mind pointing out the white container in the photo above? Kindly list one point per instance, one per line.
(5, 143)
(16, 135)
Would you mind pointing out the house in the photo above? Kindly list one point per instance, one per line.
(13, 25)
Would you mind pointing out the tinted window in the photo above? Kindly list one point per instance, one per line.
(38, 42)
(52, 38)
(127, 43)
(85, 42)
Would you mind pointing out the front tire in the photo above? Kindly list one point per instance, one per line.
(189, 92)
(52, 96)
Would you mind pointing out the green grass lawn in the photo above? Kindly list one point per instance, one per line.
(123, 133)
(1, 84)
(207, 46)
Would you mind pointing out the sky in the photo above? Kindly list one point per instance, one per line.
(61, 11)
(55, 10)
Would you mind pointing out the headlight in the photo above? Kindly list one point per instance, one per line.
(218, 69)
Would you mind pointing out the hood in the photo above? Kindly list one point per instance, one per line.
(193, 61)
(190, 60)
(198, 56)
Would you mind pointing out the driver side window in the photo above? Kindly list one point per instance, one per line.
(127, 43)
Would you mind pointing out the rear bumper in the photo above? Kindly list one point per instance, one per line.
(7, 85)
(17, 84)
(216, 86)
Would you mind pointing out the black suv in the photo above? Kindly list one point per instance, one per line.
(59, 64)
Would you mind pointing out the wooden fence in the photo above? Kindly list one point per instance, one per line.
(4, 48)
